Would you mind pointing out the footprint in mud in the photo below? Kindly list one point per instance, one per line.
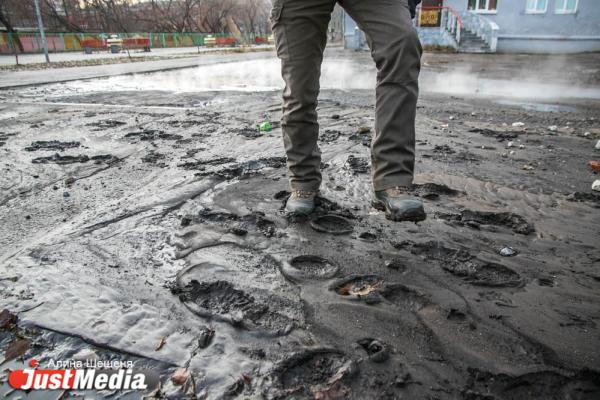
(475, 219)
(188, 123)
(201, 164)
(358, 165)
(447, 154)
(443, 149)
(104, 158)
(485, 273)
(432, 191)
(396, 264)
(499, 135)
(152, 134)
(461, 263)
(331, 223)
(583, 384)
(329, 136)
(579, 197)
(63, 160)
(363, 138)
(403, 296)
(309, 267)
(310, 374)
(255, 221)
(222, 301)
(105, 124)
(245, 169)
(368, 236)
(153, 158)
(54, 145)
(240, 286)
(372, 289)
(4, 137)
(249, 133)
(377, 351)
(546, 281)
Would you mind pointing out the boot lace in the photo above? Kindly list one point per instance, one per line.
(397, 191)
(303, 194)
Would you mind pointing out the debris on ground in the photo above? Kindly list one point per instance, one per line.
(180, 376)
(508, 252)
(7, 319)
(16, 348)
(265, 127)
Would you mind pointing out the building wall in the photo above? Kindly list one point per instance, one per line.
(336, 28)
(545, 32)
(355, 39)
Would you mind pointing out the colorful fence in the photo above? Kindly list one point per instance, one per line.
(60, 42)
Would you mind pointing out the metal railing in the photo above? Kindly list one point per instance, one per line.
(31, 42)
(483, 27)
(443, 16)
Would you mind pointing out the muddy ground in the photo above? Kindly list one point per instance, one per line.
(147, 225)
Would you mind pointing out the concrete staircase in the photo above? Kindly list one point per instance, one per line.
(471, 43)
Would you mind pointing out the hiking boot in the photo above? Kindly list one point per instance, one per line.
(399, 206)
(301, 202)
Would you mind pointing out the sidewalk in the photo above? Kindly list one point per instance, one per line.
(13, 79)
(7, 59)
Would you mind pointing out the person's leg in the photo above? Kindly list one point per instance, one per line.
(396, 50)
(300, 30)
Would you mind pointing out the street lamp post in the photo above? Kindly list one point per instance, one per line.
(41, 29)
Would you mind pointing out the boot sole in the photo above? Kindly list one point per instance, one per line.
(300, 212)
(416, 216)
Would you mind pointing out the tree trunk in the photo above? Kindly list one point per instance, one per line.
(11, 31)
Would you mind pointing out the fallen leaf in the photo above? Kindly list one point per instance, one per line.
(7, 319)
(336, 391)
(594, 165)
(163, 341)
(16, 348)
(180, 376)
(364, 290)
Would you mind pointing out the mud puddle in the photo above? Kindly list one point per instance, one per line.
(181, 255)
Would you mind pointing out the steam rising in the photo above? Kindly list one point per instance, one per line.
(343, 74)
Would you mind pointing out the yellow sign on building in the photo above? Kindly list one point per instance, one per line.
(429, 18)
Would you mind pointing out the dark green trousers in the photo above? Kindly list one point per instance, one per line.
(300, 30)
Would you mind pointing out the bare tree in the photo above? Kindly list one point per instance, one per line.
(215, 13)
(7, 10)
(139, 15)
(60, 12)
(173, 15)
(252, 13)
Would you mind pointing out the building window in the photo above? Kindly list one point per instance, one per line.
(536, 6)
(566, 6)
(483, 6)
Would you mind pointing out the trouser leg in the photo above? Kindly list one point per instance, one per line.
(396, 50)
(300, 30)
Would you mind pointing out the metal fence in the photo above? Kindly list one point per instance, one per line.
(31, 42)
